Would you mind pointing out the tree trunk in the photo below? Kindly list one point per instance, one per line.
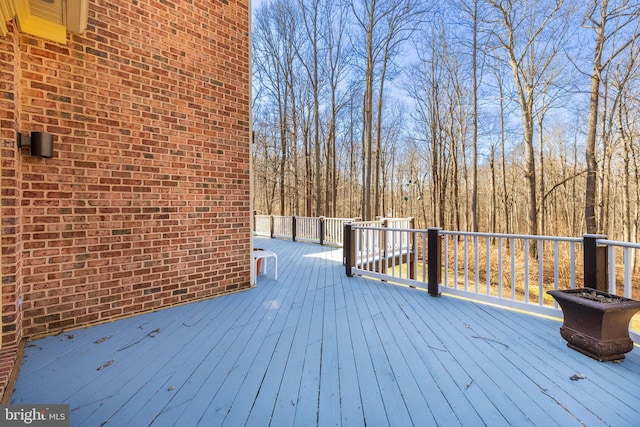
(474, 142)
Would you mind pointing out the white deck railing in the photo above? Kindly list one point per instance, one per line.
(307, 228)
(382, 253)
(628, 265)
(262, 225)
(334, 228)
(282, 226)
(310, 229)
(511, 270)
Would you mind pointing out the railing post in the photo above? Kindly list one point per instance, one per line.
(347, 254)
(293, 228)
(595, 262)
(321, 230)
(434, 261)
(413, 255)
(271, 226)
(411, 260)
(382, 266)
(254, 220)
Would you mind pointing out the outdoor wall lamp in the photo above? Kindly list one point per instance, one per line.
(41, 143)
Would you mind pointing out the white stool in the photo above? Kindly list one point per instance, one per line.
(260, 254)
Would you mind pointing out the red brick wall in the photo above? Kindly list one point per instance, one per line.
(9, 210)
(146, 201)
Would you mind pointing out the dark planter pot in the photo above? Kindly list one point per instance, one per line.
(596, 323)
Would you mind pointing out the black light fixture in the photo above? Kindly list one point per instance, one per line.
(41, 143)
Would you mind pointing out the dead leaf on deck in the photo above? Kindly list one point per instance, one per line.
(577, 377)
(103, 339)
(109, 363)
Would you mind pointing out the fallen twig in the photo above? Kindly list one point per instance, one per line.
(492, 340)
(151, 334)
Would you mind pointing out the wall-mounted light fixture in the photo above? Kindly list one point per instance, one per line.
(41, 143)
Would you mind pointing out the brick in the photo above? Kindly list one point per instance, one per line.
(151, 158)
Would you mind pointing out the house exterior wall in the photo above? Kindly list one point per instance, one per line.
(146, 202)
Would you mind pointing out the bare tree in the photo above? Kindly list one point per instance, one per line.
(274, 53)
(492, 135)
(474, 120)
(336, 62)
(610, 21)
(436, 89)
(471, 8)
(385, 26)
(522, 30)
(311, 20)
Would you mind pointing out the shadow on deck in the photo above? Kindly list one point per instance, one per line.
(318, 348)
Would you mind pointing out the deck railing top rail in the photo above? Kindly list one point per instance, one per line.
(322, 230)
(617, 243)
(512, 236)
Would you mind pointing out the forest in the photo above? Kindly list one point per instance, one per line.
(504, 116)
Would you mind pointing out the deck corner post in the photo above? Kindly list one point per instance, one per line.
(271, 226)
(321, 230)
(382, 268)
(595, 262)
(293, 228)
(434, 261)
(413, 255)
(347, 253)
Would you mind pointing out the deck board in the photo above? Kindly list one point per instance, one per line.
(256, 377)
(553, 379)
(329, 396)
(370, 393)
(408, 379)
(424, 366)
(318, 348)
(350, 396)
(488, 403)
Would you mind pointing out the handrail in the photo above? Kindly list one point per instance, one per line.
(512, 270)
(322, 230)
(527, 259)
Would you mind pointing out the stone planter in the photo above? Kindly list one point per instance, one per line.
(596, 323)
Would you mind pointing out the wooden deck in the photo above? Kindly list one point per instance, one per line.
(318, 348)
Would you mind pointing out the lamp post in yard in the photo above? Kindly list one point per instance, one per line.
(412, 195)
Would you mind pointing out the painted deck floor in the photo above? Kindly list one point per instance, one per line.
(318, 348)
